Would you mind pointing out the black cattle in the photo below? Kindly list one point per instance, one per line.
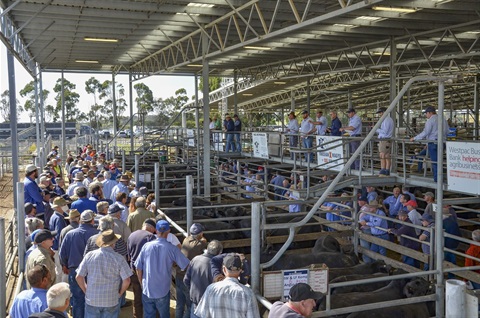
(326, 244)
(418, 310)
(294, 261)
(366, 268)
(222, 227)
(358, 287)
(396, 289)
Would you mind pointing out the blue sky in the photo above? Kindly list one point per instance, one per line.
(161, 86)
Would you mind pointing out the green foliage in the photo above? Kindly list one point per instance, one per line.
(5, 107)
(29, 92)
(213, 83)
(71, 98)
(144, 98)
(169, 108)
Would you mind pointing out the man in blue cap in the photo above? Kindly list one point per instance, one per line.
(430, 133)
(154, 271)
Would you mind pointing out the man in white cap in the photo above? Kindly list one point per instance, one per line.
(385, 132)
(32, 190)
(108, 277)
(307, 129)
(78, 179)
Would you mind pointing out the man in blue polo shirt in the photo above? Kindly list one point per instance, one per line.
(154, 271)
(32, 190)
(35, 299)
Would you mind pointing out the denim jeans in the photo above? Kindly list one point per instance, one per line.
(153, 305)
(409, 261)
(182, 309)
(380, 249)
(307, 144)
(78, 297)
(450, 257)
(102, 312)
(293, 143)
(432, 151)
(366, 245)
(353, 147)
(192, 313)
(237, 142)
(230, 143)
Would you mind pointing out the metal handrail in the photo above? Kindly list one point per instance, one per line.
(354, 156)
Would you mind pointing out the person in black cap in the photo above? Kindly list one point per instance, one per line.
(228, 298)
(430, 133)
(302, 301)
(42, 255)
(355, 130)
(237, 127)
(385, 133)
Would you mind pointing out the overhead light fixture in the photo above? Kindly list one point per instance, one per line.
(369, 18)
(279, 83)
(200, 5)
(194, 65)
(247, 94)
(381, 53)
(394, 9)
(185, 13)
(473, 32)
(86, 61)
(344, 25)
(100, 40)
(261, 48)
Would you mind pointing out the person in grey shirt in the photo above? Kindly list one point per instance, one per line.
(430, 133)
(292, 130)
(385, 146)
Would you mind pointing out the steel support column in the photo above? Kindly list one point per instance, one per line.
(255, 256)
(308, 95)
(37, 115)
(114, 106)
(235, 93)
(206, 124)
(130, 90)
(13, 122)
(197, 141)
(42, 110)
(64, 142)
(393, 79)
(476, 102)
(440, 288)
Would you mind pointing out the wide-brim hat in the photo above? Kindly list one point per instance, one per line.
(79, 176)
(373, 204)
(31, 168)
(107, 238)
(58, 202)
(72, 214)
(124, 177)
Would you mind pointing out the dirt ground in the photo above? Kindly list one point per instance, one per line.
(6, 197)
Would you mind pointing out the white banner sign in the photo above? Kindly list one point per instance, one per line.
(330, 154)
(463, 166)
(191, 137)
(293, 277)
(260, 145)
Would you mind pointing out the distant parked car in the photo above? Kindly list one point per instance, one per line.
(122, 134)
(128, 132)
(104, 134)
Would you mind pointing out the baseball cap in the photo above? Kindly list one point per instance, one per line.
(196, 229)
(143, 191)
(112, 209)
(29, 207)
(150, 222)
(427, 217)
(304, 112)
(302, 291)
(350, 110)
(429, 194)
(363, 198)
(31, 168)
(429, 109)
(87, 216)
(402, 212)
(381, 110)
(43, 235)
(232, 262)
(412, 203)
(162, 226)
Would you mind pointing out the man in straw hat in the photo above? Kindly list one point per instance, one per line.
(378, 226)
(106, 271)
(122, 186)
